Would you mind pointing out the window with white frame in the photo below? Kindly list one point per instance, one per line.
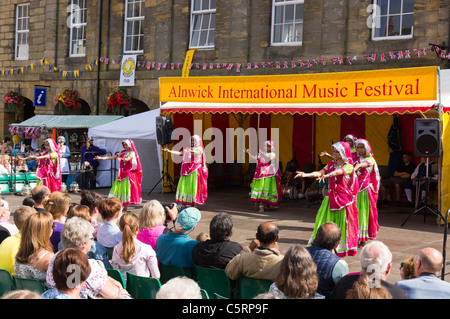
(287, 22)
(134, 18)
(77, 24)
(203, 23)
(392, 19)
(22, 31)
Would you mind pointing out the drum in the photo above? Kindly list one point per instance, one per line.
(316, 194)
(289, 192)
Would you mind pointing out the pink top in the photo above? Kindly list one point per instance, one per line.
(142, 263)
(149, 236)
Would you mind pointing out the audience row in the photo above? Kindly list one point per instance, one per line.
(51, 233)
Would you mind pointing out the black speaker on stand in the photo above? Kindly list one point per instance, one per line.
(427, 144)
(164, 129)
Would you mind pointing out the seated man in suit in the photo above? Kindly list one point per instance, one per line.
(426, 285)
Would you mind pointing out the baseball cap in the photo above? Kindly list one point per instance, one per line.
(188, 218)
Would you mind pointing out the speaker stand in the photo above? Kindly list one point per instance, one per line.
(165, 175)
(425, 204)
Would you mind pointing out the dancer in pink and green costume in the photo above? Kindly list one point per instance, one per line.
(192, 188)
(49, 168)
(127, 186)
(369, 184)
(339, 205)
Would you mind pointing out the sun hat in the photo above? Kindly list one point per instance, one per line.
(188, 218)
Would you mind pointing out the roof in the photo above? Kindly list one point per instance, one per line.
(67, 121)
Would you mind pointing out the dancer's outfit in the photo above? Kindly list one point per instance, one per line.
(48, 172)
(369, 185)
(339, 205)
(192, 188)
(266, 185)
(127, 186)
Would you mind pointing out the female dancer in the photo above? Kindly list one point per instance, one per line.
(266, 185)
(369, 183)
(339, 205)
(127, 187)
(192, 187)
(49, 168)
(351, 140)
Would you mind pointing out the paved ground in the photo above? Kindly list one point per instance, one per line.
(295, 219)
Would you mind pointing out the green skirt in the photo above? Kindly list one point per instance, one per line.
(324, 215)
(187, 189)
(362, 203)
(265, 190)
(121, 190)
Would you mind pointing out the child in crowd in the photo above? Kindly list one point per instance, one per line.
(131, 255)
(57, 204)
(91, 199)
(109, 234)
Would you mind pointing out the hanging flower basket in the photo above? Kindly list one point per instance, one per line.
(68, 101)
(119, 101)
(14, 101)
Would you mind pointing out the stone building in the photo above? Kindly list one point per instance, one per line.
(79, 44)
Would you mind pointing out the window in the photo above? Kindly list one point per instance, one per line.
(203, 23)
(287, 22)
(392, 19)
(77, 25)
(22, 31)
(134, 17)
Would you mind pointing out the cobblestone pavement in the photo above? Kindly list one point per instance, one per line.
(295, 219)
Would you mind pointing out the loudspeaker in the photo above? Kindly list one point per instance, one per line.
(164, 129)
(427, 142)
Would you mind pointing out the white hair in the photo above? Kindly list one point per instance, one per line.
(375, 254)
(179, 288)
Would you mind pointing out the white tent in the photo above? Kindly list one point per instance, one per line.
(141, 128)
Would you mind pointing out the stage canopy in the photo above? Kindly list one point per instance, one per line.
(388, 91)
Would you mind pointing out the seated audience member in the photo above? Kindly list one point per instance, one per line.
(10, 246)
(5, 165)
(4, 233)
(375, 256)
(21, 166)
(35, 250)
(5, 215)
(179, 288)
(419, 175)
(407, 268)
(131, 255)
(22, 294)
(426, 285)
(91, 200)
(109, 233)
(365, 288)
(77, 233)
(57, 204)
(39, 193)
(219, 250)
(151, 223)
(261, 259)
(28, 201)
(69, 265)
(297, 278)
(175, 248)
(330, 268)
(402, 177)
(97, 251)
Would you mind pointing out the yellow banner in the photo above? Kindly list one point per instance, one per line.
(187, 62)
(408, 84)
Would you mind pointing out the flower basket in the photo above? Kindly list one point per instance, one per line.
(68, 101)
(119, 101)
(14, 101)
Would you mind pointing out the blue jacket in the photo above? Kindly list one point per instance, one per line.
(426, 286)
(325, 261)
(175, 249)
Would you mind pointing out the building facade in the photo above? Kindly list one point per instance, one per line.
(79, 44)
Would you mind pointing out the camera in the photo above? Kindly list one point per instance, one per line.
(179, 206)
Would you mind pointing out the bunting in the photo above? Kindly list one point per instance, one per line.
(441, 52)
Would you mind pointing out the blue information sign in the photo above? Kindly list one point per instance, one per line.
(40, 97)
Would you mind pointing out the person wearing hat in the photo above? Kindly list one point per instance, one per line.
(175, 248)
(64, 154)
(89, 152)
